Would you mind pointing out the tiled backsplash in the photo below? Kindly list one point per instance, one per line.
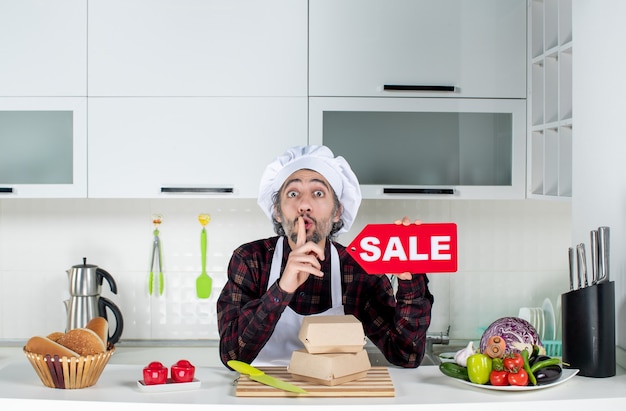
(511, 254)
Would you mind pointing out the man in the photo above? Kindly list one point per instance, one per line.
(311, 196)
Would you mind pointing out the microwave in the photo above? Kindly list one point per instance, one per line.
(426, 147)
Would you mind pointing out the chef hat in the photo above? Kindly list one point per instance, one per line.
(317, 158)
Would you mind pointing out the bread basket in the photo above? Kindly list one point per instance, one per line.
(69, 372)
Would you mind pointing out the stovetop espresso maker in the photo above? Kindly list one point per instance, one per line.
(85, 301)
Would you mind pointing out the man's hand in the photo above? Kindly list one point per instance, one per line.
(406, 222)
(303, 261)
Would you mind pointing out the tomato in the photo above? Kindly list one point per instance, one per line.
(513, 362)
(479, 368)
(183, 371)
(499, 378)
(155, 373)
(519, 378)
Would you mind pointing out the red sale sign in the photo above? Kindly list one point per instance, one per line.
(393, 248)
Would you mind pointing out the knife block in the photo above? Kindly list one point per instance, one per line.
(588, 321)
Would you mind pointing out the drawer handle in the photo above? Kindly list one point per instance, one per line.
(406, 87)
(418, 191)
(6, 190)
(207, 190)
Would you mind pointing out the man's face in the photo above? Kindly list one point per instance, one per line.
(307, 194)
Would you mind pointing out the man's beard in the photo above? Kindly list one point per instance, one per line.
(316, 236)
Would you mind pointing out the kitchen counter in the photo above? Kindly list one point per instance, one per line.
(117, 387)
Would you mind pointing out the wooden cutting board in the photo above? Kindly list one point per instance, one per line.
(377, 383)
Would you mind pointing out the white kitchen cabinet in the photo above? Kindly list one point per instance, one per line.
(477, 48)
(197, 48)
(550, 119)
(43, 147)
(43, 48)
(190, 147)
(435, 148)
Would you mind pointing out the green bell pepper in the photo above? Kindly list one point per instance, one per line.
(479, 368)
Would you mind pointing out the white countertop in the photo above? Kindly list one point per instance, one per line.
(117, 387)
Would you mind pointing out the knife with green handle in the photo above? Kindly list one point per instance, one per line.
(259, 376)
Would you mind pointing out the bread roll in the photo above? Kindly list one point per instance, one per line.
(44, 345)
(83, 341)
(55, 335)
(100, 326)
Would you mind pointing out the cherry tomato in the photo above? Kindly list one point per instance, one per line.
(479, 368)
(182, 371)
(499, 378)
(513, 362)
(155, 373)
(519, 378)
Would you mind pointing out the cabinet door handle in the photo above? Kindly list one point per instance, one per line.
(6, 190)
(447, 191)
(206, 190)
(418, 87)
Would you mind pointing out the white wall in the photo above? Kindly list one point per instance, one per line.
(599, 139)
(511, 254)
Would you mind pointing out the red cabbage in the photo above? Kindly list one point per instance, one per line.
(515, 332)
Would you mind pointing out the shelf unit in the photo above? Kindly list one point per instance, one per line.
(550, 119)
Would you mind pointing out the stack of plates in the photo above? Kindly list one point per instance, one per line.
(534, 315)
(542, 318)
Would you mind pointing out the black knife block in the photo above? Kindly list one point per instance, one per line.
(588, 321)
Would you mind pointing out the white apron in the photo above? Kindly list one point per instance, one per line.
(284, 340)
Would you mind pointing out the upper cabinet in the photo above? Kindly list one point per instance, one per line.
(151, 147)
(442, 48)
(197, 48)
(43, 147)
(43, 103)
(43, 48)
(550, 119)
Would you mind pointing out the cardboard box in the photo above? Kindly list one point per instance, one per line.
(323, 334)
(329, 369)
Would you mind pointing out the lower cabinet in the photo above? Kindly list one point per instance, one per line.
(198, 147)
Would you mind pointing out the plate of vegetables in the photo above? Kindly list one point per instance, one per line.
(510, 358)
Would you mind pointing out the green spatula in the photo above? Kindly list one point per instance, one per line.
(204, 283)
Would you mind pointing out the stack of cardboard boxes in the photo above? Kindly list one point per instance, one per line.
(334, 350)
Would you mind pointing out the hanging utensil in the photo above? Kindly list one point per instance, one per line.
(156, 256)
(204, 283)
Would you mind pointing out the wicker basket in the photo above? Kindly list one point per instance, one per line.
(69, 372)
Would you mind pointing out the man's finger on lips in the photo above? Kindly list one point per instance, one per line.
(301, 232)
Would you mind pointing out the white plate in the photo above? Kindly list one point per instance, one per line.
(169, 386)
(550, 320)
(447, 356)
(567, 374)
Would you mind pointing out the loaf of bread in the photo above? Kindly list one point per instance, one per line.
(83, 341)
(80, 341)
(100, 326)
(44, 345)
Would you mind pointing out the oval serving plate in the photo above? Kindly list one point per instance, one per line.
(567, 374)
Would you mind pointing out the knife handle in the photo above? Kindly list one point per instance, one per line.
(603, 254)
(594, 256)
(572, 267)
(582, 265)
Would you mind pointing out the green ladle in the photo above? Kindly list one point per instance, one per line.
(204, 283)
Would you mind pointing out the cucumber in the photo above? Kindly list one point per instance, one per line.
(454, 370)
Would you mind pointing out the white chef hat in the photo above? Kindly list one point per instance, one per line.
(317, 158)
